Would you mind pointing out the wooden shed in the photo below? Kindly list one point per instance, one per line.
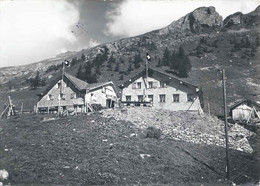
(244, 110)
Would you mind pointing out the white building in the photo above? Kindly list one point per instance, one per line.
(244, 110)
(161, 91)
(72, 94)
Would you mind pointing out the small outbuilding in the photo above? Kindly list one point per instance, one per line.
(245, 110)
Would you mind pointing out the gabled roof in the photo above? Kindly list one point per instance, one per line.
(94, 86)
(156, 74)
(169, 80)
(97, 85)
(240, 102)
(78, 83)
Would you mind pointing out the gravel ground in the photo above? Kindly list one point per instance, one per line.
(186, 126)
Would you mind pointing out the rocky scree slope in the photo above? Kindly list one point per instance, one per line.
(185, 126)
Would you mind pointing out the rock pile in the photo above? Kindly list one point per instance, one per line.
(3, 176)
(186, 126)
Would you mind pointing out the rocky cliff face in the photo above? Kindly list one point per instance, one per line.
(203, 19)
(239, 20)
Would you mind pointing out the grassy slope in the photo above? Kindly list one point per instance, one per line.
(28, 98)
(205, 71)
(95, 150)
(241, 73)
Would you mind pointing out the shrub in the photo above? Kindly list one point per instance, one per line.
(153, 132)
(121, 77)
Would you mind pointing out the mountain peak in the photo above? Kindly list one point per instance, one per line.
(203, 19)
(239, 20)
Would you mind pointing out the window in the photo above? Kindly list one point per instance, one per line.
(176, 98)
(128, 98)
(73, 96)
(162, 84)
(190, 97)
(58, 85)
(150, 84)
(150, 98)
(140, 98)
(50, 97)
(162, 98)
(138, 85)
(61, 96)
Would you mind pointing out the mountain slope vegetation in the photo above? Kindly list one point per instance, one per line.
(210, 43)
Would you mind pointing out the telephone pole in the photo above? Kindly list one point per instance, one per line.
(146, 77)
(146, 72)
(62, 74)
(226, 124)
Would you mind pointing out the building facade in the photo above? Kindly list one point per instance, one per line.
(71, 94)
(162, 91)
(245, 110)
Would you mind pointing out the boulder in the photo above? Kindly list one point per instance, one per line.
(3, 175)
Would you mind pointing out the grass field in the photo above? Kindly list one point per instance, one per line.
(96, 150)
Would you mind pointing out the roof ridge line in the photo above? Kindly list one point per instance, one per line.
(175, 77)
(72, 81)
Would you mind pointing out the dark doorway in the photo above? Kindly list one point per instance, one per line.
(110, 103)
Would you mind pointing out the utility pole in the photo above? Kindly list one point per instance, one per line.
(226, 124)
(63, 69)
(21, 112)
(146, 71)
(62, 74)
(209, 109)
(146, 80)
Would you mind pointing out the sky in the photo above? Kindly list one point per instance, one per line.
(34, 30)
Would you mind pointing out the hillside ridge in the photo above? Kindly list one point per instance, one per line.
(210, 42)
